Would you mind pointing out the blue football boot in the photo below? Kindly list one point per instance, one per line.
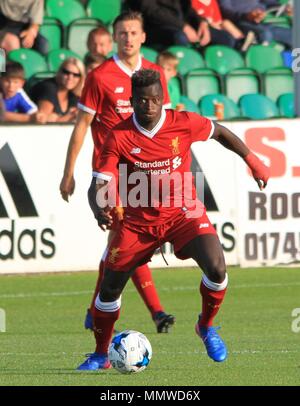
(94, 362)
(215, 346)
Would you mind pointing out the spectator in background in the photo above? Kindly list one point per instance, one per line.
(169, 63)
(210, 10)
(2, 108)
(16, 105)
(100, 41)
(175, 22)
(93, 61)
(57, 97)
(19, 25)
(248, 15)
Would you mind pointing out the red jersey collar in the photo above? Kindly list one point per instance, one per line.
(125, 68)
(151, 133)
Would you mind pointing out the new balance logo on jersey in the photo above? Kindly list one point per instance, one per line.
(119, 89)
(176, 162)
(135, 151)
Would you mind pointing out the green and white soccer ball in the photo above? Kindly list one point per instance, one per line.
(130, 352)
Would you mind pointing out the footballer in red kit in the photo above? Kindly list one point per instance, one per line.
(155, 153)
(155, 143)
(106, 95)
(105, 101)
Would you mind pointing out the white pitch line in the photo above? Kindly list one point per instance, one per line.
(166, 289)
(44, 294)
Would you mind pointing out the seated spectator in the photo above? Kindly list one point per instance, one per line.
(2, 60)
(100, 41)
(93, 61)
(210, 10)
(169, 63)
(248, 15)
(2, 108)
(17, 106)
(175, 22)
(19, 25)
(57, 97)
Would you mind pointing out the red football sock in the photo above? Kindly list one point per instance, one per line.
(211, 302)
(97, 288)
(103, 328)
(142, 278)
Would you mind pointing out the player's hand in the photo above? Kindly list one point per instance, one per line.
(260, 171)
(67, 187)
(104, 218)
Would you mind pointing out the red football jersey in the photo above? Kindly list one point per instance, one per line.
(158, 153)
(209, 9)
(106, 95)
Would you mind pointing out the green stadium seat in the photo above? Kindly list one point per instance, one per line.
(55, 58)
(189, 105)
(286, 105)
(51, 29)
(223, 59)
(207, 106)
(241, 81)
(278, 46)
(65, 11)
(281, 21)
(277, 82)
(80, 29)
(262, 58)
(104, 10)
(258, 107)
(32, 61)
(189, 58)
(200, 82)
(149, 53)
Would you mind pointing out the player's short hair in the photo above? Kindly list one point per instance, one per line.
(129, 16)
(14, 70)
(145, 78)
(167, 57)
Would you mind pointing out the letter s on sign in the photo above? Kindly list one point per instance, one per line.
(254, 138)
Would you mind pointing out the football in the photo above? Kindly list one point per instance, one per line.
(130, 352)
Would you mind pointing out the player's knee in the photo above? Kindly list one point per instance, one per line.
(109, 293)
(216, 271)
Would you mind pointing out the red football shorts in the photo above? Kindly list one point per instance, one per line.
(134, 245)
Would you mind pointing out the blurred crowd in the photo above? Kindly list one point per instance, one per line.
(196, 23)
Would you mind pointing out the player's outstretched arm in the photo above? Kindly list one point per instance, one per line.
(67, 184)
(260, 171)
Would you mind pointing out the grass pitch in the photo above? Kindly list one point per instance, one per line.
(45, 341)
